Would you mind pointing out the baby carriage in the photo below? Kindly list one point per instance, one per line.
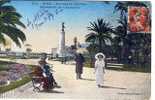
(39, 80)
(37, 83)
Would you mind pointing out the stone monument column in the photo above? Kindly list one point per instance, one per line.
(61, 45)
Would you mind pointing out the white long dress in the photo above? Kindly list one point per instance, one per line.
(99, 72)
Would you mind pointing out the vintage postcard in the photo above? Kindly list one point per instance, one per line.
(84, 50)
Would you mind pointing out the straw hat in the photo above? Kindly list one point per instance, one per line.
(99, 54)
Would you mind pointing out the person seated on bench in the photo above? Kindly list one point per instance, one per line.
(47, 73)
(38, 74)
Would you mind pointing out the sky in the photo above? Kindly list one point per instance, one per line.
(76, 15)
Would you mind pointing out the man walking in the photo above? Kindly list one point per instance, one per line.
(79, 59)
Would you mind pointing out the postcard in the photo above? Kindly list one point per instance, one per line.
(84, 50)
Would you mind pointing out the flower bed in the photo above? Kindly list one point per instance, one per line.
(15, 72)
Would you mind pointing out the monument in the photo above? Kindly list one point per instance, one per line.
(61, 45)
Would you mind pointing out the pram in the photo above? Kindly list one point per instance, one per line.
(38, 81)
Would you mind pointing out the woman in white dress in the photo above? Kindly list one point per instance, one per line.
(100, 69)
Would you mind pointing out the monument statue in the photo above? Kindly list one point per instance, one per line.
(63, 26)
(61, 45)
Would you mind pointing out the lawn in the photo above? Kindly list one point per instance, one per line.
(4, 65)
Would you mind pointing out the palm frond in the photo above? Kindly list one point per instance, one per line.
(2, 39)
(90, 37)
(9, 20)
(15, 34)
(122, 6)
(7, 9)
(93, 27)
(2, 2)
(102, 30)
(12, 19)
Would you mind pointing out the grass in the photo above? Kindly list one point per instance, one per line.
(4, 65)
(3, 68)
(15, 84)
(145, 69)
(8, 57)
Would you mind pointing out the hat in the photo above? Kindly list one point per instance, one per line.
(99, 54)
(42, 62)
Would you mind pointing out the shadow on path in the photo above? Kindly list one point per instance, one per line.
(52, 91)
(111, 87)
(87, 79)
(130, 93)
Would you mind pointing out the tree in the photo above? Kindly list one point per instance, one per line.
(120, 40)
(122, 6)
(100, 33)
(128, 40)
(140, 47)
(9, 22)
(92, 48)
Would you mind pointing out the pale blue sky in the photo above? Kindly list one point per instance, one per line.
(76, 21)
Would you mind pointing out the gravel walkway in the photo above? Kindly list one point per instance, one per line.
(119, 85)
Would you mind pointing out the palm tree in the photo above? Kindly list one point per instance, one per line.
(121, 30)
(100, 33)
(122, 6)
(9, 23)
(120, 38)
(92, 48)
